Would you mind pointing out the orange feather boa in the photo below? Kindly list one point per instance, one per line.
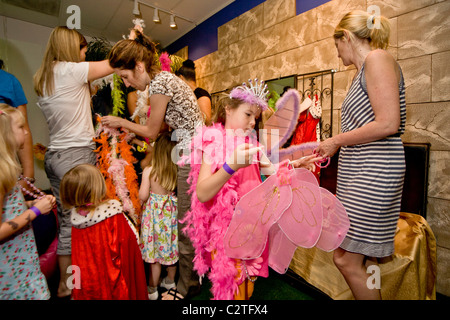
(115, 161)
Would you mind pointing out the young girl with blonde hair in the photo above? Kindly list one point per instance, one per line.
(104, 247)
(20, 274)
(159, 228)
(61, 84)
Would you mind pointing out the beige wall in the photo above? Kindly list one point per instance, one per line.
(22, 46)
(270, 41)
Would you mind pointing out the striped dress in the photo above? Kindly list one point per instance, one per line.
(370, 177)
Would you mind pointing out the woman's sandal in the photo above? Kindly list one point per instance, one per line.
(172, 294)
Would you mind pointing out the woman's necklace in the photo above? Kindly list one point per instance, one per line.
(37, 193)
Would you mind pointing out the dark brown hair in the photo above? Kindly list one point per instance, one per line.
(187, 70)
(126, 53)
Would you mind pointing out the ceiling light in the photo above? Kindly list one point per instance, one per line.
(136, 11)
(156, 16)
(172, 21)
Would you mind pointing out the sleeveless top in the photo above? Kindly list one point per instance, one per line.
(370, 176)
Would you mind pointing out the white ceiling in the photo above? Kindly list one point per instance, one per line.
(113, 18)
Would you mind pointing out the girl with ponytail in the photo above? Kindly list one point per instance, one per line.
(62, 86)
(361, 25)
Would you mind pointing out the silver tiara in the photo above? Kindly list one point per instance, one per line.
(254, 93)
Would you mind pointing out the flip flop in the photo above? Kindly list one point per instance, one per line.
(172, 294)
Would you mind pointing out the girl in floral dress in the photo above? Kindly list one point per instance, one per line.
(159, 227)
(20, 274)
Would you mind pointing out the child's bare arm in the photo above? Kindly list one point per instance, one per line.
(144, 189)
(209, 184)
(10, 227)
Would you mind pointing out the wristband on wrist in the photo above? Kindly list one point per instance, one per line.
(228, 169)
(36, 211)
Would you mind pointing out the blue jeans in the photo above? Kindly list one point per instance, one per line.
(57, 163)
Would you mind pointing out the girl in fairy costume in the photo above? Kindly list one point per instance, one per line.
(225, 165)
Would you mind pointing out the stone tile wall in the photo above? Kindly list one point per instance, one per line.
(270, 41)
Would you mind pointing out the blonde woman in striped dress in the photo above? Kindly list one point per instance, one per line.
(371, 160)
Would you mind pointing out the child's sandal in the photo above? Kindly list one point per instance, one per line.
(173, 294)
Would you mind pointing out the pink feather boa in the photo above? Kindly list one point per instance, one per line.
(207, 223)
(165, 61)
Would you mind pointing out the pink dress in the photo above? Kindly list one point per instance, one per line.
(207, 223)
(248, 179)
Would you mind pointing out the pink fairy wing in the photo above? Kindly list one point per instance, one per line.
(335, 222)
(301, 174)
(302, 221)
(281, 250)
(253, 216)
(280, 126)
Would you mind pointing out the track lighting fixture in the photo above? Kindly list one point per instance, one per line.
(172, 21)
(156, 16)
(156, 11)
(136, 11)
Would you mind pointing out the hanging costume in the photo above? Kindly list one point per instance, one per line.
(308, 124)
(308, 127)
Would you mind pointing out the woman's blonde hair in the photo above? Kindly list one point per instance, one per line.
(164, 170)
(361, 24)
(83, 186)
(9, 162)
(64, 44)
(224, 101)
(126, 53)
